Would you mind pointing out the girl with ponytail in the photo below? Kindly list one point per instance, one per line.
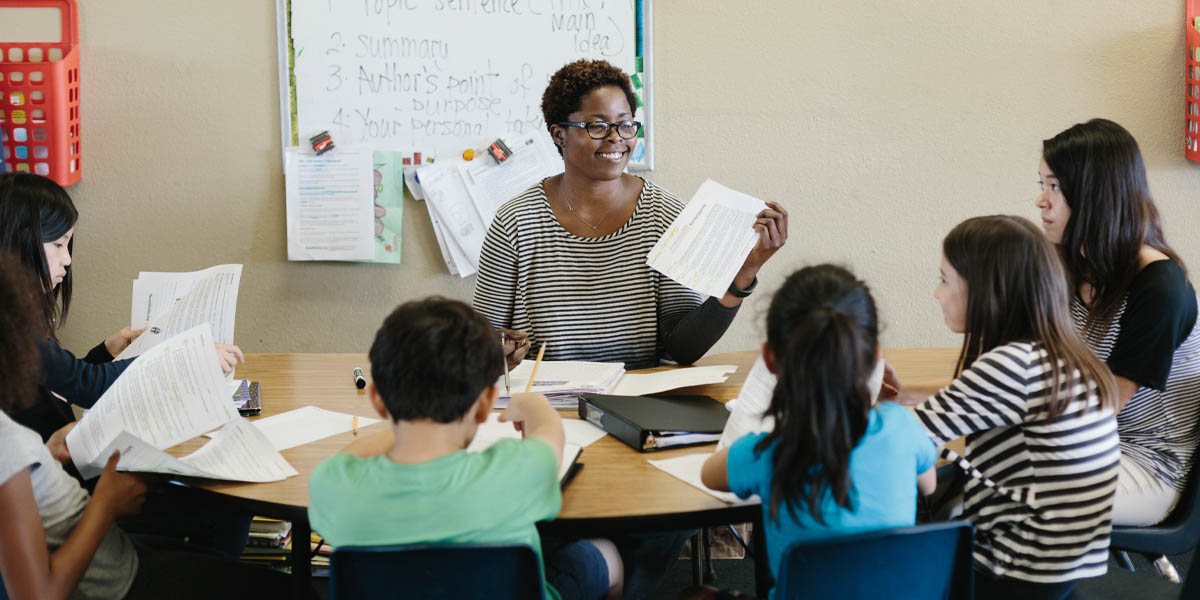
(833, 462)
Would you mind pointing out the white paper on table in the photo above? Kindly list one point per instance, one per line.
(687, 470)
(564, 377)
(330, 204)
(447, 195)
(491, 185)
(642, 384)
(238, 452)
(177, 302)
(307, 424)
(171, 393)
(493, 431)
(577, 432)
(706, 245)
(747, 412)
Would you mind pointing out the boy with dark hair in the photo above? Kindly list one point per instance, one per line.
(434, 365)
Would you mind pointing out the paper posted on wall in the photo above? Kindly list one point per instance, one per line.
(708, 242)
(167, 304)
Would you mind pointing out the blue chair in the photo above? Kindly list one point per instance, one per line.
(929, 561)
(433, 571)
(1177, 534)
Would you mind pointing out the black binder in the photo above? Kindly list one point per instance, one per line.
(648, 423)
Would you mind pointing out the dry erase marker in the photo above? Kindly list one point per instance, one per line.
(359, 381)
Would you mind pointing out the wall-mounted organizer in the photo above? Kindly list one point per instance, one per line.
(1192, 106)
(39, 97)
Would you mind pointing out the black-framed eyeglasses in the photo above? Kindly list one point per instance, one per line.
(598, 130)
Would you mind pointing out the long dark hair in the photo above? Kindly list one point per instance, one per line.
(1017, 292)
(823, 332)
(34, 210)
(1099, 168)
(20, 330)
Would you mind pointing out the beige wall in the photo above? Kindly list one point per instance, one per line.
(879, 125)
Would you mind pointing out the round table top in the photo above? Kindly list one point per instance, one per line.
(616, 481)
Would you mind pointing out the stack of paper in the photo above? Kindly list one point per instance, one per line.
(706, 245)
(463, 196)
(561, 381)
(172, 393)
(167, 304)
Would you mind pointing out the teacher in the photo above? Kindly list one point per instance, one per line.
(565, 261)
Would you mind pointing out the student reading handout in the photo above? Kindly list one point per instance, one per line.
(37, 224)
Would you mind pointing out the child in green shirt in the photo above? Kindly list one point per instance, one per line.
(434, 365)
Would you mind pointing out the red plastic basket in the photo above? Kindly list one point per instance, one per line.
(39, 98)
(1192, 106)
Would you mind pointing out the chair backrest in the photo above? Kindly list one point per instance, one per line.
(927, 561)
(435, 571)
(1178, 533)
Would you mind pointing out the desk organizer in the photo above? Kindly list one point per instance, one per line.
(39, 98)
(1192, 106)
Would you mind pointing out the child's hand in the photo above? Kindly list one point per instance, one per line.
(229, 356)
(521, 407)
(120, 494)
(57, 444)
(121, 340)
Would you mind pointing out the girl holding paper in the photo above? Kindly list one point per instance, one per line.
(565, 262)
(58, 540)
(37, 224)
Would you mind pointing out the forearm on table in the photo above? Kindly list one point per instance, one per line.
(697, 331)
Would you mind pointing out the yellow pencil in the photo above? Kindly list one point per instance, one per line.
(538, 362)
(356, 425)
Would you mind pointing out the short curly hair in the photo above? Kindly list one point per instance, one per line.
(20, 330)
(573, 81)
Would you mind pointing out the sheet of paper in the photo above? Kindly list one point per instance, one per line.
(564, 377)
(463, 267)
(156, 292)
(171, 393)
(747, 411)
(410, 180)
(177, 302)
(388, 191)
(443, 245)
(577, 432)
(307, 424)
(491, 185)
(707, 244)
(330, 208)
(643, 384)
(447, 195)
(687, 470)
(239, 452)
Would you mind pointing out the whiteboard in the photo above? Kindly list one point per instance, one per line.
(440, 76)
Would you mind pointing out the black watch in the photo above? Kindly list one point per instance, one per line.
(739, 292)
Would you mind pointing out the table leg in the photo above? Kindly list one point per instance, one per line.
(301, 559)
(762, 566)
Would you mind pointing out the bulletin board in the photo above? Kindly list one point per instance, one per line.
(436, 77)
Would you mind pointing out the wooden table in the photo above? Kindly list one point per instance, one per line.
(616, 491)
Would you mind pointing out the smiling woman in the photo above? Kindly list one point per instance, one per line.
(564, 262)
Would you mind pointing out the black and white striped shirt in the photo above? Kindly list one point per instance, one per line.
(593, 298)
(1154, 342)
(1040, 491)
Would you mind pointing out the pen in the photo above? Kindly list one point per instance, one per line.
(356, 425)
(505, 358)
(536, 364)
(359, 381)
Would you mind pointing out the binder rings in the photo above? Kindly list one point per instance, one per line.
(648, 423)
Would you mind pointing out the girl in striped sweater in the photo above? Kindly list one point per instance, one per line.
(1040, 469)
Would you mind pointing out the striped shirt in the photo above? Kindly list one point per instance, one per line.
(1039, 491)
(1160, 425)
(593, 298)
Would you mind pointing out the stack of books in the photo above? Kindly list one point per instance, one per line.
(270, 545)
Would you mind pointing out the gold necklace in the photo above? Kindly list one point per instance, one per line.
(577, 215)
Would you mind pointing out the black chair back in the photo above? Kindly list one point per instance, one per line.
(435, 571)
